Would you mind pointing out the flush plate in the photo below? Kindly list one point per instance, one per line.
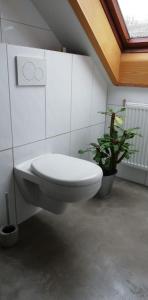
(31, 71)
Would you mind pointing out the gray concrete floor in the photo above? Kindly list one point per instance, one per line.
(95, 251)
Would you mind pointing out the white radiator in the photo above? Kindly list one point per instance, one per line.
(136, 115)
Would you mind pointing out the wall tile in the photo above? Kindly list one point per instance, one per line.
(81, 91)
(80, 139)
(99, 95)
(58, 144)
(22, 11)
(6, 185)
(96, 131)
(29, 151)
(0, 31)
(5, 122)
(58, 93)
(24, 35)
(27, 103)
(131, 174)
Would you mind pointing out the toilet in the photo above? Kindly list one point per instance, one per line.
(51, 181)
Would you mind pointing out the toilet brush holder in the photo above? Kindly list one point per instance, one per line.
(8, 233)
(8, 236)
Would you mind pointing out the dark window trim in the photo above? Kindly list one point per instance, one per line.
(114, 15)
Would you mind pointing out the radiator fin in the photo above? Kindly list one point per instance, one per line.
(136, 115)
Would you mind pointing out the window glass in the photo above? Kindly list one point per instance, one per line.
(135, 14)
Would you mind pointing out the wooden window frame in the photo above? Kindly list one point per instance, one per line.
(116, 20)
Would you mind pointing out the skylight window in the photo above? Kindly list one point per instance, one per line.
(135, 14)
(129, 22)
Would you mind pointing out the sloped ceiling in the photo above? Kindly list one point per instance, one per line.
(83, 27)
(62, 20)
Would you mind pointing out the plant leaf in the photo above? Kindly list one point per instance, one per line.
(118, 120)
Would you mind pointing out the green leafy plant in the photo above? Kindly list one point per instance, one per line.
(114, 146)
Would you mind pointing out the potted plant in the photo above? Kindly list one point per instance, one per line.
(112, 148)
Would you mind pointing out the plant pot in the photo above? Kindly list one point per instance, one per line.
(8, 236)
(106, 187)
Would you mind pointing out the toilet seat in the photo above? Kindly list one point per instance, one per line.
(65, 170)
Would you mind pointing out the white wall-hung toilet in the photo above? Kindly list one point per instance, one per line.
(52, 180)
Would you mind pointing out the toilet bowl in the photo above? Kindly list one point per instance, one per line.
(52, 180)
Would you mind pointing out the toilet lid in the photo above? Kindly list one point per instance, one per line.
(66, 170)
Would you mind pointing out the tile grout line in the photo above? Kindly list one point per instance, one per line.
(92, 86)
(72, 62)
(52, 137)
(10, 106)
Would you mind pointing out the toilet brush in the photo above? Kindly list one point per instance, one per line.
(9, 232)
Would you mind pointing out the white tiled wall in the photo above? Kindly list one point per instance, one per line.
(60, 117)
(98, 98)
(81, 138)
(115, 98)
(27, 104)
(58, 93)
(81, 91)
(5, 123)
(21, 24)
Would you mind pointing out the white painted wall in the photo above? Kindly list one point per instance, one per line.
(115, 98)
(22, 24)
(60, 117)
